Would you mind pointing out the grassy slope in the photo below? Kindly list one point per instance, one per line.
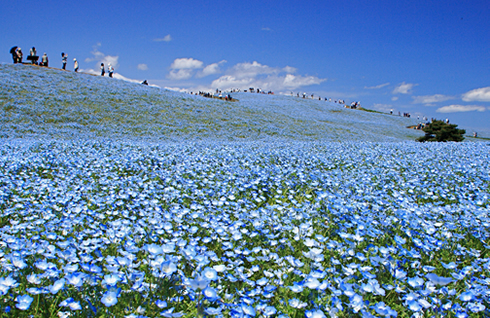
(37, 101)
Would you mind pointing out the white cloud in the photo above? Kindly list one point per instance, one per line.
(404, 88)
(460, 108)
(266, 29)
(383, 107)
(429, 99)
(394, 98)
(252, 69)
(100, 57)
(289, 69)
(142, 67)
(267, 83)
(167, 38)
(186, 63)
(377, 86)
(477, 95)
(241, 76)
(181, 74)
(211, 69)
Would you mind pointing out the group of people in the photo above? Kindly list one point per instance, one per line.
(110, 70)
(17, 56)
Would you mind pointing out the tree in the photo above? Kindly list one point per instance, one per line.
(440, 131)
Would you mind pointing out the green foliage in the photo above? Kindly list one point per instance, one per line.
(440, 131)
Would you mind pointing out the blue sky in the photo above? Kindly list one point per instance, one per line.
(428, 58)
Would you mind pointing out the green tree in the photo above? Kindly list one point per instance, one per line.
(440, 131)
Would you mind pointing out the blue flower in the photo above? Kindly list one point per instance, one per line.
(212, 311)
(315, 314)
(109, 298)
(23, 302)
(466, 296)
(210, 293)
(57, 285)
(210, 273)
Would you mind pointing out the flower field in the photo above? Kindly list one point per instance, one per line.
(40, 102)
(114, 228)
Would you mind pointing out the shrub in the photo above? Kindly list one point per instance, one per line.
(440, 131)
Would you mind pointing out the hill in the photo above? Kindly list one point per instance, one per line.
(37, 101)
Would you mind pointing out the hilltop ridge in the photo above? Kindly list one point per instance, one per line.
(37, 101)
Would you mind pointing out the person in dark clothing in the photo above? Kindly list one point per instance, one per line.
(102, 70)
(18, 53)
(64, 59)
(44, 60)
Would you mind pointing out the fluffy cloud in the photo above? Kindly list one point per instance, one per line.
(377, 86)
(289, 69)
(383, 107)
(167, 38)
(241, 76)
(477, 95)
(100, 57)
(247, 70)
(404, 88)
(186, 63)
(142, 67)
(268, 83)
(211, 69)
(429, 99)
(460, 108)
(181, 74)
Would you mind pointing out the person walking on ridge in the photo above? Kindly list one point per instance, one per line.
(76, 65)
(64, 59)
(33, 53)
(102, 70)
(44, 60)
(19, 55)
(111, 70)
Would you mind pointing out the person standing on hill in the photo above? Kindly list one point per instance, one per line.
(111, 70)
(102, 70)
(19, 55)
(76, 65)
(44, 60)
(33, 53)
(64, 59)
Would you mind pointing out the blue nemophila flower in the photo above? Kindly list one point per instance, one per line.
(356, 302)
(210, 293)
(57, 285)
(415, 282)
(467, 296)
(212, 311)
(111, 279)
(382, 309)
(65, 302)
(296, 303)
(200, 282)
(248, 310)
(23, 302)
(438, 280)
(76, 279)
(33, 279)
(168, 268)
(316, 313)
(109, 298)
(161, 303)
(414, 305)
(451, 265)
(169, 313)
(210, 273)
